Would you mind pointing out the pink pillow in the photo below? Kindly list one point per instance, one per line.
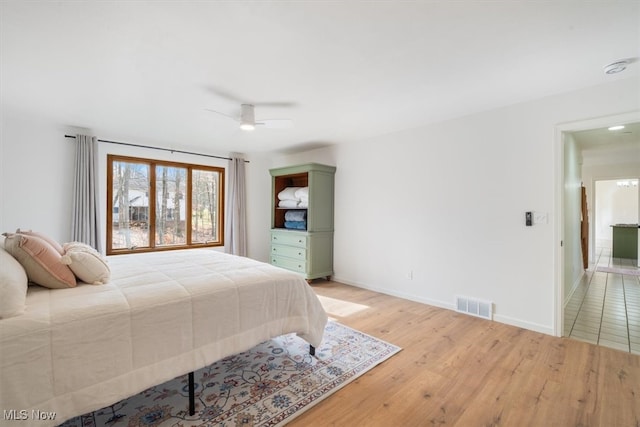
(44, 237)
(40, 260)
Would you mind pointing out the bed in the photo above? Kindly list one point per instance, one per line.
(161, 315)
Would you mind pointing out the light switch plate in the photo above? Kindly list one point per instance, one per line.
(540, 218)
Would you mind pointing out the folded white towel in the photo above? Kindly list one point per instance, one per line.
(302, 193)
(303, 204)
(289, 193)
(288, 204)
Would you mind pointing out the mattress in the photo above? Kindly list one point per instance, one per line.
(161, 315)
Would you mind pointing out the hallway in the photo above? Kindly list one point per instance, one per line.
(605, 308)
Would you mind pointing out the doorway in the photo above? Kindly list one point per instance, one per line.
(607, 165)
(570, 175)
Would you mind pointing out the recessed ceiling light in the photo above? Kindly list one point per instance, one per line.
(617, 67)
(616, 127)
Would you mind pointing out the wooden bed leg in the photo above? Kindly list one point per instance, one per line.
(312, 350)
(192, 396)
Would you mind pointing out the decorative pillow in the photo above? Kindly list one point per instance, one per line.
(86, 263)
(44, 237)
(13, 286)
(40, 260)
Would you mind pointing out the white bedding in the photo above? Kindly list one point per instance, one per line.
(161, 315)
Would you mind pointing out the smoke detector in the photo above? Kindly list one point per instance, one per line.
(617, 67)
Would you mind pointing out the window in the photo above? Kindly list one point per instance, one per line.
(156, 205)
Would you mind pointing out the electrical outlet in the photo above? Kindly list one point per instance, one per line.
(410, 275)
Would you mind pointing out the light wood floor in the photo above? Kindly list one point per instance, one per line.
(459, 370)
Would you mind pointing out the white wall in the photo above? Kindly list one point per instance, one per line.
(258, 206)
(573, 265)
(37, 175)
(602, 172)
(614, 205)
(447, 202)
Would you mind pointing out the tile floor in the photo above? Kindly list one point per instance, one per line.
(605, 307)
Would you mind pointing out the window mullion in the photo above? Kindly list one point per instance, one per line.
(152, 205)
(187, 205)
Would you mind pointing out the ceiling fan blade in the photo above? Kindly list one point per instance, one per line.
(236, 99)
(221, 93)
(235, 119)
(275, 123)
(282, 104)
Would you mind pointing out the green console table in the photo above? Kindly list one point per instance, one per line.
(625, 241)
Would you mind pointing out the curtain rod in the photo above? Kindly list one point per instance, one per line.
(159, 148)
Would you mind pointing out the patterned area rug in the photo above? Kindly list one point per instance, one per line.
(268, 385)
(619, 270)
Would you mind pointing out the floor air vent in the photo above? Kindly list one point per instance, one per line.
(474, 307)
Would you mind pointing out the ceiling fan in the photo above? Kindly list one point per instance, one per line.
(248, 122)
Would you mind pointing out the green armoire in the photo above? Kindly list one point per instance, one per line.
(306, 250)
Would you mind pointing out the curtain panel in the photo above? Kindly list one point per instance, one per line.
(84, 221)
(236, 222)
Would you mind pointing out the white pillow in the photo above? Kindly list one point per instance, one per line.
(86, 263)
(13, 285)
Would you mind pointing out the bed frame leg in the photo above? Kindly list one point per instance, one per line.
(312, 350)
(192, 396)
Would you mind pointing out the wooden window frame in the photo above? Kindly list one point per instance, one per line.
(152, 163)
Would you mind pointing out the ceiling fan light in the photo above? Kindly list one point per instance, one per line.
(247, 117)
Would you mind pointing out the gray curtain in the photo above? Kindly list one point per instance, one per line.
(236, 220)
(84, 221)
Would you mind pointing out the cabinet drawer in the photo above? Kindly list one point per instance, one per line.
(289, 239)
(289, 251)
(288, 263)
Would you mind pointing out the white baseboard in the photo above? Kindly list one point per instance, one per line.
(449, 306)
(547, 330)
(573, 289)
(402, 295)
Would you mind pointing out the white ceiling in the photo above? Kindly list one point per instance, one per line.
(602, 145)
(145, 72)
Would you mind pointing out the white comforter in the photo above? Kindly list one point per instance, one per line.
(162, 315)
